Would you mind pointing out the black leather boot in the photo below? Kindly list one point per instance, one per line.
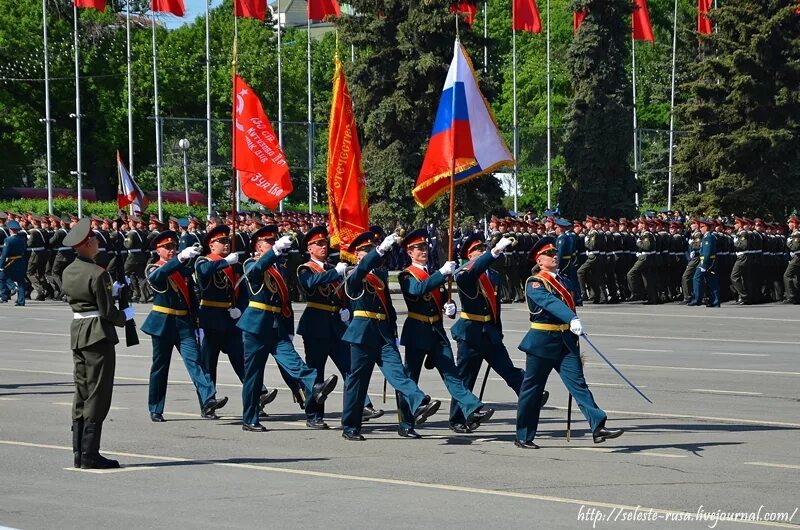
(77, 435)
(90, 448)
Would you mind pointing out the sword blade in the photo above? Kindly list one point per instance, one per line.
(609, 363)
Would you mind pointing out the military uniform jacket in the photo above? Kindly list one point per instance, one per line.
(793, 244)
(216, 280)
(88, 289)
(57, 244)
(174, 305)
(320, 320)
(566, 250)
(37, 243)
(12, 259)
(478, 288)
(368, 291)
(695, 244)
(189, 239)
(550, 303)
(646, 244)
(269, 310)
(708, 252)
(425, 300)
(136, 243)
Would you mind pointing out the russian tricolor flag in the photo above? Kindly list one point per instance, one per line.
(464, 129)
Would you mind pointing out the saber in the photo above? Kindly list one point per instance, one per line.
(569, 418)
(485, 378)
(584, 337)
(384, 391)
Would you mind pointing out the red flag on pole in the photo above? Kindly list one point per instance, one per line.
(526, 16)
(467, 8)
(250, 8)
(577, 20)
(129, 192)
(175, 7)
(703, 22)
(100, 5)
(642, 29)
(263, 171)
(319, 9)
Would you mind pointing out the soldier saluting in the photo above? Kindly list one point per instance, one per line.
(92, 338)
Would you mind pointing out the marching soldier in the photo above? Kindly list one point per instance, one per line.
(706, 272)
(100, 228)
(640, 277)
(549, 345)
(37, 259)
(172, 324)
(791, 277)
(565, 243)
(613, 245)
(192, 236)
(424, 335)
(677, 261)
(136, 261)
(695, 242)
(372, 335)
(12, 264)
(64, 254)
(90, 293)
(740, 274)
(589, 275)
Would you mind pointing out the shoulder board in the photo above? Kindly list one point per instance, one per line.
(200, 259)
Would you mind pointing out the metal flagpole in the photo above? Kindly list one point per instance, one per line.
(47, 120)
(635, 132)
(280, 89)
(672, 104)
(514, 96)
(130, 85)
(78, 166)
(208, 107)
(549, 132)
(310, 126)
(485, 36)
(158, 128)
(238, 187)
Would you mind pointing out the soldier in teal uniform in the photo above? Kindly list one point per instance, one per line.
(424, 334)
(549, 345)
(172, 324)
(268, 327)
(92, 338)
(13, 263)
(372, 335)
(325, 318)
(707, 270)
(566, 245)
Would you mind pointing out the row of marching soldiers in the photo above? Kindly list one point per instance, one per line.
(655, 261)
(245, 311)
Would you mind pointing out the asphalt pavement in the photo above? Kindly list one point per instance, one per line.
(720, 442)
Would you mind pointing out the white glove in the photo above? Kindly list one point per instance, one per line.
(448, 268)
(344, 314)
(200, 335)
(387, 243)
(576, 327)
(702, 269)
(127, 280)
(232, 258)
(129, 313)
(115, 288)
(282, 245)
(341, 267)
(188, 253)
(501, 246)
(397, 344)
(450, 309)
(235, 312)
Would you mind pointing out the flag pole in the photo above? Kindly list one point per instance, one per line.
(155, 109)
(310, 125)
(549, 131)
(130, 84)
(235, 174)
(514, 97)
(672, 104)
(452, 173)
(47, 120)
(280, 89)
(635, 132)
(485, 36)
(238, 188)
(208, 107)
(78, 162)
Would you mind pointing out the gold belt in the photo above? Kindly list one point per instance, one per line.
(549, 327)
(265, 307)
(424, 318)
(369, 314)
(323, 307)
(476, 318)
(170, 311)
(212, 303)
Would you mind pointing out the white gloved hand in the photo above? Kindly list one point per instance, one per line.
(115, 288)
(129, 313)
(282, 245)
(501, 246)
(188, 253)
(232, 258)
(397, 344)
(450, 309)
(127, 280)
(387, 243)
(702, 269)
(235, 312)
(576, 327)
(448, 268)
(344, 314)
(341, 267)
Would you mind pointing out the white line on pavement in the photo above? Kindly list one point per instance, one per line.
(660, 315)
(711, 391)
(741, 354)
(625, 452)
(692, 417)
(690, 369)
(126, 469)
(45, 351)
(640, 349)
(69, 404)
(767, 464)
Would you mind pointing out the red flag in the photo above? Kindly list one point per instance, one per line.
(319, 9)
(466, 8)
(169, 6)
(526, 16)
(250, 8)
(258, 157)
(100, 5)
(642, 29)
(348, 209)
(577, 20)
(703, 22)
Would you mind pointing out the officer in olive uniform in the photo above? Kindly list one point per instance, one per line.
(741, 272)
(100, 229)
(641, 275)
(549, 345)
(590, 273)
(172, 324)
(37, 259)
(791, 277)
(707, 270)
(695, 242)
(64, 254)
(424, 334)
(677, 261)
(92, 338)
(12, 263)
(372, 336)
(138, 255)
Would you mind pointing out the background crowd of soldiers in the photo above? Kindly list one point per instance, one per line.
(650, 259)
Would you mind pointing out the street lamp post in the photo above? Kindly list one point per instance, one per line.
(184, 145)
